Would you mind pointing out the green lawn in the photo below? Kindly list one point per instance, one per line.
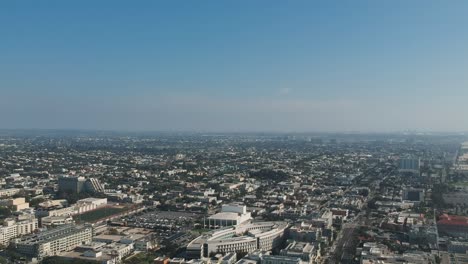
(98, 214)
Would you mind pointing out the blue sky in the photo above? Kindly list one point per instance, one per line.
(234, 65)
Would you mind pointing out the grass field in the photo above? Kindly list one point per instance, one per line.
(98, 214)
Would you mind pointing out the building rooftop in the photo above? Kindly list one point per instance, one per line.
(225, 216)
(453, 220)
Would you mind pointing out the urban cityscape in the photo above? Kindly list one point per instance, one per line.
(233, 132)
(90, 197)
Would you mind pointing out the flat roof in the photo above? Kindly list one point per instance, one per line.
(225, 216)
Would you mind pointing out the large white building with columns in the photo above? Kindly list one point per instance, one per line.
(230, 215)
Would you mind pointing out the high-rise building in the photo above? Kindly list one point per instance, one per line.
(71, 184)
(413, 194)
(93, 185)
(79, 184)
(409, 165)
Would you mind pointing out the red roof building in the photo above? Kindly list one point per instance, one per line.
(453, 225)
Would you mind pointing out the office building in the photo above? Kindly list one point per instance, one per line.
(71, 184)
(409, 165)
(79, 184)
(413, 195)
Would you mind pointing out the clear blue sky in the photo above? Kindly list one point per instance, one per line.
(234, 65)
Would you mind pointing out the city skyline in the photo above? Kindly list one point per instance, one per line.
(264, 66)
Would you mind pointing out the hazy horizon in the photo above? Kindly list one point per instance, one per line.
(243, 66)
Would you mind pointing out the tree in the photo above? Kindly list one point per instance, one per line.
(36, 202)
(267, 174)
(113, 231)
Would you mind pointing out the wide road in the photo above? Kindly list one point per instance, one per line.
(344, 244)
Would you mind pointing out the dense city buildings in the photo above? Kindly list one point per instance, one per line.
(233, 132)
(233, 198)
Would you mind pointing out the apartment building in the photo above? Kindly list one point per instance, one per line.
(54, 241)
(13, 228)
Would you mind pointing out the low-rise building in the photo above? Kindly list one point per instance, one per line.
(51, 221)
(271, 259)
(453, 225)
(456, 198)
(305, 232)
(89, 204)
(16, 204)
(305, 251)
(9, 192)
(457, 247)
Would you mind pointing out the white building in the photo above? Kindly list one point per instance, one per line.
(9, 192)
(67, 211)
(243, 238)
(53, 204)
(229, 258)
(51, 221)
(230, 215)
(14, 228)
(119, 250)
(304, 251)
(89, 204)
(16, 204)
(54, 241)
